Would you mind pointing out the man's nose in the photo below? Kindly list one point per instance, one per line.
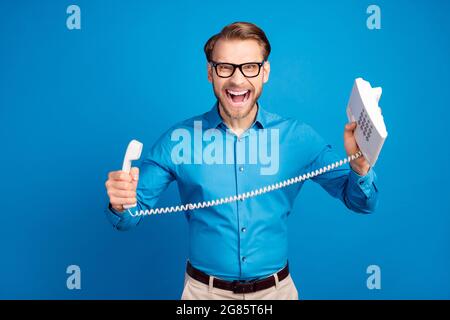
(237, 77)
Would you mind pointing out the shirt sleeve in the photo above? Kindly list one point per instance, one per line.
(358, 193)
(155, 175)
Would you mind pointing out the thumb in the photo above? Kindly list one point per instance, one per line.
(350, 126)
(348, 131)
(134, 172)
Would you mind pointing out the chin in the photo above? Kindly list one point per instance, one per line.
(237, 112)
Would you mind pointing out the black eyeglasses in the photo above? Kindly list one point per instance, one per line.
(226, 70)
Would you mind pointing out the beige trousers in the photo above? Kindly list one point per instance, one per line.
(196, 290)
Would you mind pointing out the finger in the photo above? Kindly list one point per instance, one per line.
(119, 208)
(115, 201)
(350, 126)
(120, 176)
(134, 172)
(121, 185)
(348, 131)
(122, 193)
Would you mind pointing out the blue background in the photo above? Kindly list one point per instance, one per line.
(71, 100)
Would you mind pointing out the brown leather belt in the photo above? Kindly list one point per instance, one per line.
(237, 286)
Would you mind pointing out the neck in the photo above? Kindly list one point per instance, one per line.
(239, 125)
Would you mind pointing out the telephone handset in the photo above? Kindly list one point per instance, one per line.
(133, 152)
(370, 134)
(363, 108)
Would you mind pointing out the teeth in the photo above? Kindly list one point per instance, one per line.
(237, 93)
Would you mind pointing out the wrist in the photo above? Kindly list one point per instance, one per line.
(117, 209)
(361, 170)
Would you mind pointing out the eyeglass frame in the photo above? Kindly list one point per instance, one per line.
(236, 66)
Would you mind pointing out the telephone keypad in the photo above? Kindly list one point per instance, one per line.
(365, 124)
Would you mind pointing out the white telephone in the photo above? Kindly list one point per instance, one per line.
(370, 131)
(134, 151)
(370, 134)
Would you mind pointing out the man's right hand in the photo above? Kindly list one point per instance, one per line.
(121, 188)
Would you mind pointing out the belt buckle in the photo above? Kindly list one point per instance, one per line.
(243, 287)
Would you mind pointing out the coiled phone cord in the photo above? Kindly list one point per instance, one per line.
(246, 195)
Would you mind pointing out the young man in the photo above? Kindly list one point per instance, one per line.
(238, 250)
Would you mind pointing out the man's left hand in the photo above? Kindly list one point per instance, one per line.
(360, 165)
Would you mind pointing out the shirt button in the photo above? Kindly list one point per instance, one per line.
(244, 259)
(361, 182)
(244, 229)
(241, 169)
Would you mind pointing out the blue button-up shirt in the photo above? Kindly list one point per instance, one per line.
(247, 239)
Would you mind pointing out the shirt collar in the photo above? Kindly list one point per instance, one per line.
(214, 119)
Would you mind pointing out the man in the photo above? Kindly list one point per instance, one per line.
(238, 250)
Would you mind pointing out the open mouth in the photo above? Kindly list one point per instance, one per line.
(237, 98)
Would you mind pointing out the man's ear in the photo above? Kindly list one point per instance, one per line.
(266, 68)
(209, 70)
